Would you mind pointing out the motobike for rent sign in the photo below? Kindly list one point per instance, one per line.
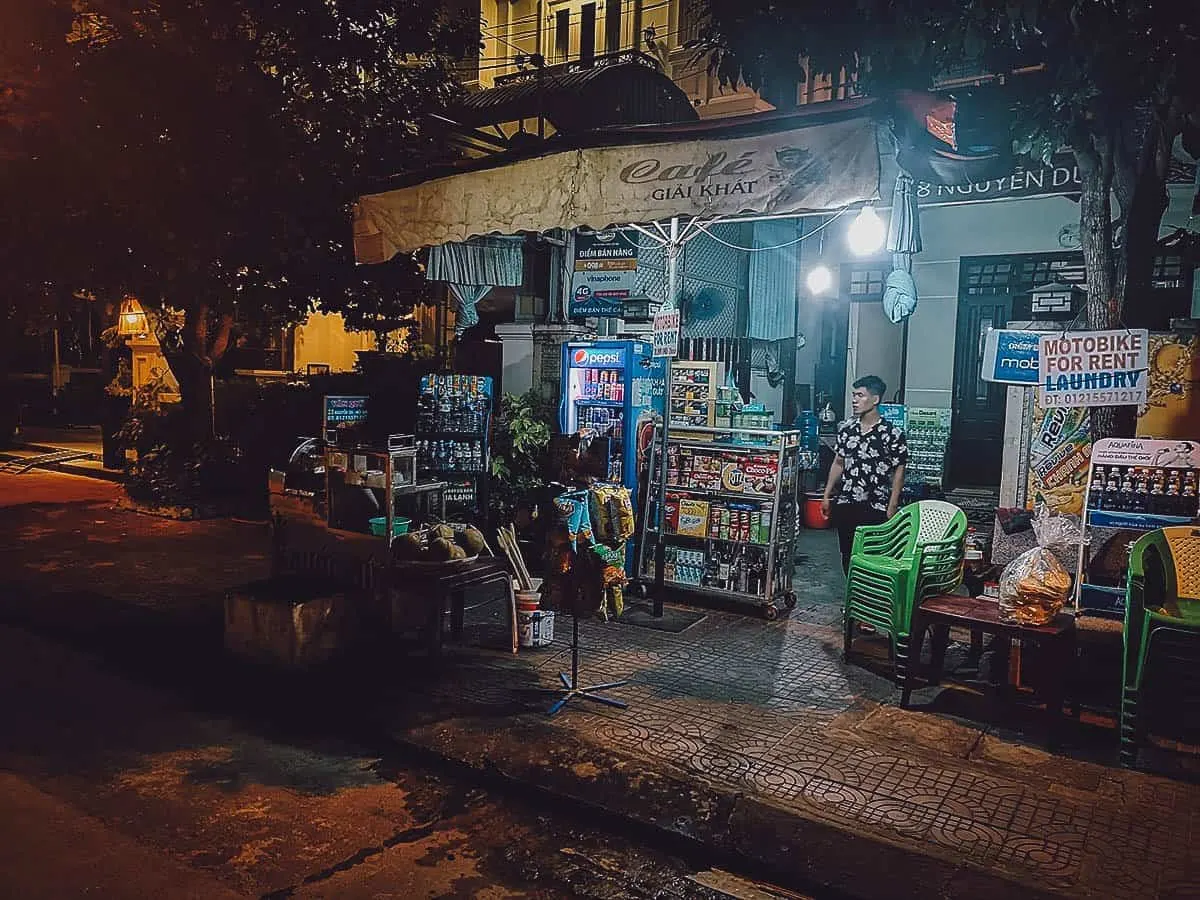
(1094, 368)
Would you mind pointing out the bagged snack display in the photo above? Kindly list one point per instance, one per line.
(1035, 585)
(612, 512)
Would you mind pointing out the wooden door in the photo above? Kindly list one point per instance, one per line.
(977, 429)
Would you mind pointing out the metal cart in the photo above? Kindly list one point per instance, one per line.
(730, 516)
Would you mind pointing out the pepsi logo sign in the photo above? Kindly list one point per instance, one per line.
(580, 357)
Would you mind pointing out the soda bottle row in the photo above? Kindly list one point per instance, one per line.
(451, 455)
(462, 417)
(1144, 489)
(603, 420)
(742, 570)
(457, 386)
(602, 384)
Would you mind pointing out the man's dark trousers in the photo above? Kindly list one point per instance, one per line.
(846, 518)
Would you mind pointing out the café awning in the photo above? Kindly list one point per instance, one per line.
(814, 160)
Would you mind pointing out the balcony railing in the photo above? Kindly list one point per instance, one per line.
(578, 65)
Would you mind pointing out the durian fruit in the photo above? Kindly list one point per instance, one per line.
(457, 552)
(472, 540)
(445, 532)
(441, 550)
(408, 547)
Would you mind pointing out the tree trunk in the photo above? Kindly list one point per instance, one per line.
(194, 366)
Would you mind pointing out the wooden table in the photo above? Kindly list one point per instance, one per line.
(982, 616)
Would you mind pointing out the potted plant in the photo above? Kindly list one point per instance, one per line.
(522, 438)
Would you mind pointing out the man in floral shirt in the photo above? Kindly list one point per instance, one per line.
(868, 467)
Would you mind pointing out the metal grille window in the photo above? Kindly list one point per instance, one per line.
(863, 282)
(1009, 275)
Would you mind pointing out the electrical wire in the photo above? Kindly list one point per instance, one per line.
(704, 227)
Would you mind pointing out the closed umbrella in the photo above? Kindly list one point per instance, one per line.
(904, 239)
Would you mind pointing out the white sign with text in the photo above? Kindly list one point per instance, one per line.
(1094, 368)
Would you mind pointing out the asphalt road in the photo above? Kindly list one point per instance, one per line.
(114, 785)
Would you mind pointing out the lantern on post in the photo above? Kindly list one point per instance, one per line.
(1055, 300)
(132, 319)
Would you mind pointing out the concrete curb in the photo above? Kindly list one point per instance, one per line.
(798, 852)
(66, 468)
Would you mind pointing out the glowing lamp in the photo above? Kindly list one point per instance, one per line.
(819, 280)
(866, 233)
(131, 321)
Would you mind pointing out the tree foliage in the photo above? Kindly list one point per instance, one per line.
(204, 154)
(1117, 82)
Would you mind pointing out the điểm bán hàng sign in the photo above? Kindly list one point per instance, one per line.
(1094, 368)
(605, 273)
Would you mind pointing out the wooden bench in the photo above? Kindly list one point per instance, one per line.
(982, 616)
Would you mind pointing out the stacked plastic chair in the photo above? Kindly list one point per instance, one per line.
(1162, 620)
(916, 554)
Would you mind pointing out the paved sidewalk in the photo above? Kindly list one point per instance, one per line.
(752, 737)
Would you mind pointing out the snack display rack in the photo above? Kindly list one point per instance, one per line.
(729, 516)
(453, 426)
(1135, 485)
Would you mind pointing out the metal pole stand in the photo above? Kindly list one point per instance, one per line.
(570, 689)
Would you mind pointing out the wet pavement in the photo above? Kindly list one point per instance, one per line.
(749, 740)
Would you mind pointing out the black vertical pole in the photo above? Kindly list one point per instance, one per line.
(574, 653)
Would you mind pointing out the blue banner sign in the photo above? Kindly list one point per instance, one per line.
(1011, 357)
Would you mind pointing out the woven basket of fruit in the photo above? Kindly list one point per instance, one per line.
(439, 545)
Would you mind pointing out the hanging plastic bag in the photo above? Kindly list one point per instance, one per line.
(1035, 586)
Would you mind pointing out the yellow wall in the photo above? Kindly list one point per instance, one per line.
(323, 338)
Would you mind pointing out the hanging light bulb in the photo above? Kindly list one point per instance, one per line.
(866, 233)
(819, 280)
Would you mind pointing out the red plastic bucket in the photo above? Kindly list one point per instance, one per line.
(813, 517)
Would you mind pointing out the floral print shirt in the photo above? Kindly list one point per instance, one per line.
(868, 461)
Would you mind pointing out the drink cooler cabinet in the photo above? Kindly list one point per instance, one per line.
(611, 389)
(731, 516)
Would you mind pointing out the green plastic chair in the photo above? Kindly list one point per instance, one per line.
(1162, 612)
(917, 553)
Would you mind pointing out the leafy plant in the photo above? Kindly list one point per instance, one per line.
(519, 451)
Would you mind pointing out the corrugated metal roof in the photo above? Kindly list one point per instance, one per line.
(616, 94)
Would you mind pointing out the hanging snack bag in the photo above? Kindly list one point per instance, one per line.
(571, 508)
(612, 512)
(1035, 585)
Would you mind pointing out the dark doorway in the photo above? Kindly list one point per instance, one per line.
(612, 26)
(977, 429)
(829, 376)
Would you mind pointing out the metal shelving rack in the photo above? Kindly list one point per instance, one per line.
(456, 410)
(784, 448)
